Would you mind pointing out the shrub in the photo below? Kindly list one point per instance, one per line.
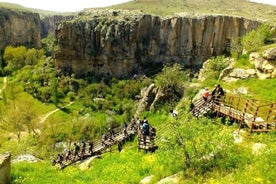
(213, 67)
(17, 57)
(255, 39)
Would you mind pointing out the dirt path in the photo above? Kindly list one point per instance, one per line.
(43, 118)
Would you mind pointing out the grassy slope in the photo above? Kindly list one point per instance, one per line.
(22, 8)
(169, 7)
(113, 168)
(230, 7)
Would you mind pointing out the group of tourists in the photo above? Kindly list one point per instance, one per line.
(79, 152)
(145, 130)
(215, 94)
(84, 149)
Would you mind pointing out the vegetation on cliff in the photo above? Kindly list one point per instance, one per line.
(241, 8)
(199, 150)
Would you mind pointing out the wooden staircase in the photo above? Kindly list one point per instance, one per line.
(258, 116)
(202, 107)
(118, 138)
(147, 142)
(99, 147)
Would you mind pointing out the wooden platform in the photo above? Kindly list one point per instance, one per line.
(256, 115)
(99, 147)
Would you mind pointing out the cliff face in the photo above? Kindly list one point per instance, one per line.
(19, 28)
(121, 44)
(48, 24)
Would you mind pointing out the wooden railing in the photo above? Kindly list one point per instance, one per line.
(257, 115)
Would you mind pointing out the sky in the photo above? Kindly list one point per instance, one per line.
(76, 5)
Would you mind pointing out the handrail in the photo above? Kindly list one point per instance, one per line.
(247, 111)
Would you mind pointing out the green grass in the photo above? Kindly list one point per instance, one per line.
(43, 13)
(129, 166)
(192, 7)
(243, 62)
(257, 89)
(13, 6)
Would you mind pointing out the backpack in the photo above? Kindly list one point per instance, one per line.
(145, 129)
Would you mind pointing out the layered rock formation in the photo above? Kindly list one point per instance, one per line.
(120, 43)
(19, 28)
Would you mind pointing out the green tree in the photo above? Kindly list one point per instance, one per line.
(54, 95)
(14, 58)
(49, 44)
(198, 146)
(32, 56)
(171, 80)
(253, 40)
(18, 118)
(236, 48)
(213, 67)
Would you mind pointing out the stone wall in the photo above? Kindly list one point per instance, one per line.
(5, 168)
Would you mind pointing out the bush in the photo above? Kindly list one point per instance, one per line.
(213, 67)
(17, 57)
(255, 39)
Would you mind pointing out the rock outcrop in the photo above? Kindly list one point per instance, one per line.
(19, 28)
(48, 23)
(5, 168)
(148, 97)
(121, 43)
(264, 67)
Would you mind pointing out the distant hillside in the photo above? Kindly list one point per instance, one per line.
(230, 7)
(22, 8)
(242, 8)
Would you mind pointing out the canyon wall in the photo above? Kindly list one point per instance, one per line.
(25, 28)
(19, 28)
(48, 23)
(121, 43)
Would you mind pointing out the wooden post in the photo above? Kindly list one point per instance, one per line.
(254, 117)
(268, 115)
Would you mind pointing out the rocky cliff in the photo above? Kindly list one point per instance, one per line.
(48, 23)
(19, 28)
(121, 43)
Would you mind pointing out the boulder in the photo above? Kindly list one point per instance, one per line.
(255, 59)
(25, 158)
(266, 69)
(148, 96)
(239, 73)
(240, 91)
(270, 54)
(146, 180)
(174, 179)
